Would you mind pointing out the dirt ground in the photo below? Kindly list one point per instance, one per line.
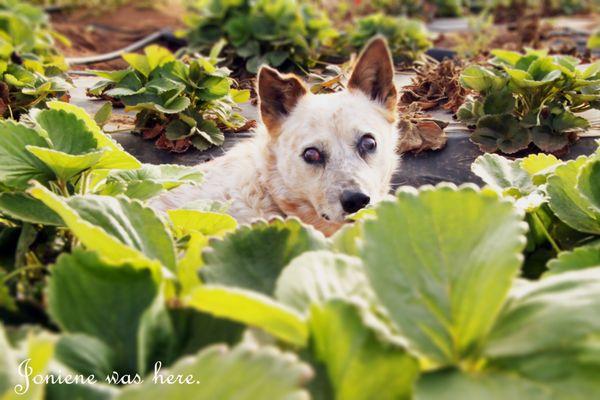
(101, 31)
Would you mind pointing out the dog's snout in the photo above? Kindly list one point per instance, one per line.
(353, 201)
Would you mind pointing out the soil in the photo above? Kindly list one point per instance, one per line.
(93, 31)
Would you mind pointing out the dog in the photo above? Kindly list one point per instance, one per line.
(318, 157)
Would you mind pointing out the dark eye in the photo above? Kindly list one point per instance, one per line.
(367, 144)
(313, 156)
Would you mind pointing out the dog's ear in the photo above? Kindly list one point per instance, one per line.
(277, 95)
(374, 74)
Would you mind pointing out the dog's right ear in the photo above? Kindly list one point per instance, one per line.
(277, 96)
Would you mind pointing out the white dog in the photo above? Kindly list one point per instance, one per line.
(316, 157)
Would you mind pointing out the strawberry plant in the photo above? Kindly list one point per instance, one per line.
(528, 98)
(31, 69)
(283, 33)
(561, 201)
(180, 103)
(407, 38)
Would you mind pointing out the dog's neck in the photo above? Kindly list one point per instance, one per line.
(288, 204)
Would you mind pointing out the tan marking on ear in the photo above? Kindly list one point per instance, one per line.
(374, 74)
(278, 95)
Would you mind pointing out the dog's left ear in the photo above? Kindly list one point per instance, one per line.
(278, 95)
(374, 74)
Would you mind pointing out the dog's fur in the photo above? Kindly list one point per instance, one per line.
(267, 176)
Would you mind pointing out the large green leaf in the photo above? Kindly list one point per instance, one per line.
(442, 261)
(549, 332)
(567, 202)
(120, 229)
(88, 296)
(242, 373)
(453, 385)
(589, 182)
(253, 309)
(17, 165)
(318, 276)
(359, 363)
(555, 313)
(67, 133)
(25, 208)
(253, 256)
(115, 157)
(579, 258)
(501, 132)
(65, 166)
(502, 173)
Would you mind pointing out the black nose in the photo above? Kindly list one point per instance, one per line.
(353, 201)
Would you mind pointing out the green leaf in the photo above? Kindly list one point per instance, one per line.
(499, 102)
(25, 208)
(359, 363)
(253, 256)
(576, 259)
(453, 384)
(442, 288)
(119, 229)
(547, 139)
(505, 56)
(481, 79)
(567, 202)
(66, 132)
(105, 301)
(501, 132)
(206, 223)
(169, 176)
(502, 174)
(157, 56)
(588, 182)
(116, 157)
(103, 114)
(315, 277)
(65, 166)
(85, 354)
(241, 373)
(138, 62)
(253, 309)
(17, 165)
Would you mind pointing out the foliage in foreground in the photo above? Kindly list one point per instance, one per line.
(180, 103)
(31, 69)
(398, 305)
(562, 202)
(528, 98)
(284, 34)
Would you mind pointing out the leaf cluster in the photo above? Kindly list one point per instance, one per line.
(528, 98)
(188, 102)
(285, 34)
(31, 68)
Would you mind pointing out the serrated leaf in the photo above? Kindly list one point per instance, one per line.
(25, 208)
(315, 277)
(588, 182)
(501, 132)
(253, 256)
(502, 174)
(206, 223)
(241, 373)
(17, 165)
(116, 158)
(103, 114)
(66, 132)
(576, 259)
(443, 290)
(253, 309)
(65, 166)
(119, 229)
(359, 363)
(567, 202)
(105, 301)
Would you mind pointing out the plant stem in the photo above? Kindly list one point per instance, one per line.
(546, 233)
(16, 272)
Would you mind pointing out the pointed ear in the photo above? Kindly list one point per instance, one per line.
(277, 95)
(374, 74)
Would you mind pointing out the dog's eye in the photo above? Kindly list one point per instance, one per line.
(312, 156)
(367, 144)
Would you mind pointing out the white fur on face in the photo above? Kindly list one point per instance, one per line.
(334, 124)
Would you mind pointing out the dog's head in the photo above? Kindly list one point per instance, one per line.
(331, 154)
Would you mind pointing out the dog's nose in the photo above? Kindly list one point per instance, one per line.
(353, 201)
